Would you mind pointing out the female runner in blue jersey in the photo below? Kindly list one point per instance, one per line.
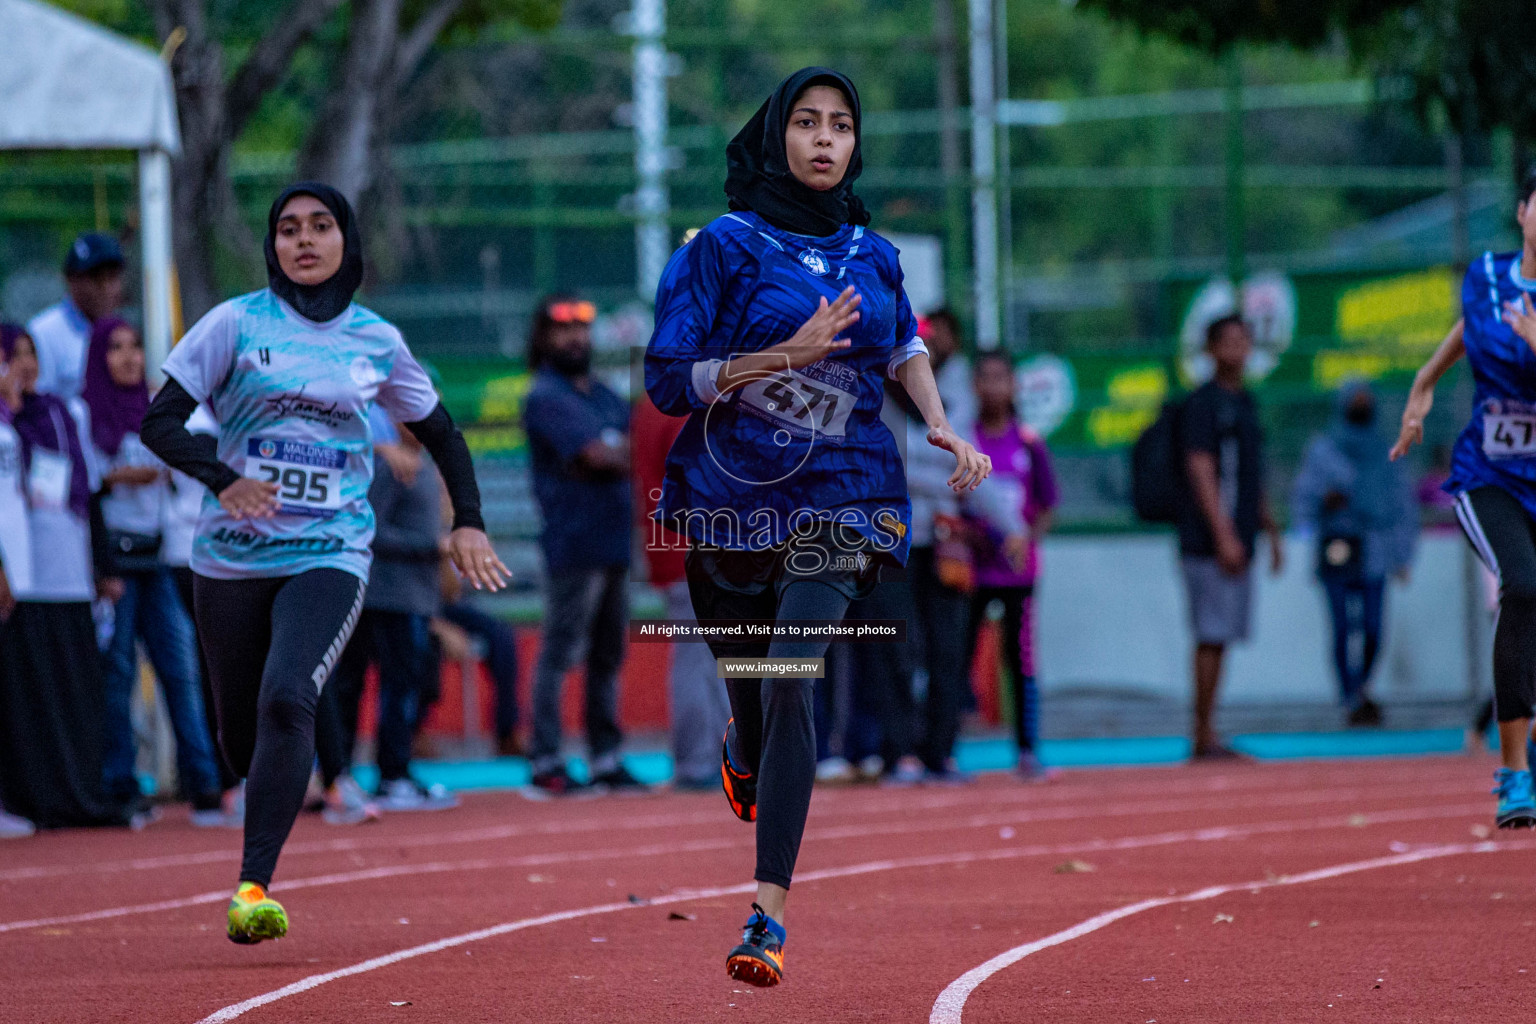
(281, 555)
(776, 327)
(1493, 477)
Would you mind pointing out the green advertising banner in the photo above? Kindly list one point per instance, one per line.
(1312, 332)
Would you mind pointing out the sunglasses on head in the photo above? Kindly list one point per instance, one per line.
(571, 312)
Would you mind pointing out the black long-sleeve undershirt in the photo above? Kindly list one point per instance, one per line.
(445, 443)
(164, 432)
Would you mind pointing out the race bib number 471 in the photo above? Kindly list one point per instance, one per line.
(1509, 434)
(308, 476)
(814, 400)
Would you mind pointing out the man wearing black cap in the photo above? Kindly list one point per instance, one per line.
(93, 272)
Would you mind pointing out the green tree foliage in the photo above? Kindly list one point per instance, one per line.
(1215, 25)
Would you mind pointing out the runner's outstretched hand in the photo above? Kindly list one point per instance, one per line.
(1420, 401)
(250, 499)
(971, 467)
(476, 560)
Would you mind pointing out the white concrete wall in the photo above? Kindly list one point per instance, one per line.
(1111, 612)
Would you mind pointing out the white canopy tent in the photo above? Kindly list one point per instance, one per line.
(66, 83)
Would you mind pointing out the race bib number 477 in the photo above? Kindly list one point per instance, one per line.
(308, 476)
(1509, 434)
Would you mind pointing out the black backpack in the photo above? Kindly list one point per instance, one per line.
(1157, 467)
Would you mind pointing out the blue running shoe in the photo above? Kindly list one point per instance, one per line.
(1517, 805)
(759, 960)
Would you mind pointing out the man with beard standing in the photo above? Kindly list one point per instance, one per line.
(578, 441)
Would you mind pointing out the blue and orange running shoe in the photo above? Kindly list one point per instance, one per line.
(740, 789)
(254, 916)
(759, 960)
(1517, 805)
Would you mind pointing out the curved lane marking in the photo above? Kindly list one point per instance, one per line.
(950, 1005)
(712, 845)
(491, 833)
(229, 1013)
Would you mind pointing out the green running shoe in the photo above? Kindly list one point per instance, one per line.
(254, 916)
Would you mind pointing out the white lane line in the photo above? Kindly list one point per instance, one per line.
(902, 801)
(947, 1009)
(938, 860)
(711, 845)
(1081, 809)
(373, 874)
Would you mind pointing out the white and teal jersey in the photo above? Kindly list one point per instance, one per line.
(292, 399)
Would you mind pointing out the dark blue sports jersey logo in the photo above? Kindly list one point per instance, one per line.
(815, 261)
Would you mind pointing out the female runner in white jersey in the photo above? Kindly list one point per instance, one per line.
(281, 555)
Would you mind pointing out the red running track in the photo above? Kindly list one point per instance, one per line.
(1297, 892)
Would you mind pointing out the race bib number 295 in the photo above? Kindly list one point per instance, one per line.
(308, 476)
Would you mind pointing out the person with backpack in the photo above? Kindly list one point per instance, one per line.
(1222, 509)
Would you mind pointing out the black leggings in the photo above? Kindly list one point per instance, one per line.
(227, 778)
(1504, 536)
(271, 644)
(775, 720)
(1021, 677)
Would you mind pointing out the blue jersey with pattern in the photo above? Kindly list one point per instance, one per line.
(1498, 446)
(754, 466)
(292, 398)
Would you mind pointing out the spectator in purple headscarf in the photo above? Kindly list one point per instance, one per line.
(134, 493)
(15, 549)
(50, 672)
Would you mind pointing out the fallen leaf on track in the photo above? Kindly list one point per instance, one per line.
(405, 1003)
(1223, 919)
(676, 916)
(1074, 867)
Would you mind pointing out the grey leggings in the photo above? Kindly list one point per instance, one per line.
(775, 721)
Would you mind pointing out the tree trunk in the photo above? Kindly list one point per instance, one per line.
(213, 111)
(348, 145)
(340, 149)
(198, 71)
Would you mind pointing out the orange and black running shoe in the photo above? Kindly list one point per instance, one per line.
(740, 790)
(759, 960)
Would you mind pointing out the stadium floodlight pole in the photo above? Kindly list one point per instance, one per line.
(984, 174)
(652, 202)
(1236, 208)
(1004, 167)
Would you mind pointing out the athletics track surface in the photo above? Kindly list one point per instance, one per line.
(1329, 891)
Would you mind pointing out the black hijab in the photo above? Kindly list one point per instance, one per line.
(330, 298)
(758, 177)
